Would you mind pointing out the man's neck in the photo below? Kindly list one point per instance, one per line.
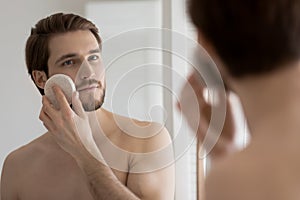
(100, 120)
(272, 103)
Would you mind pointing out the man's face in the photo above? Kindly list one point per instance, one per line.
(77, 55)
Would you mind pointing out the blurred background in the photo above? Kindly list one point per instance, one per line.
(143, 81)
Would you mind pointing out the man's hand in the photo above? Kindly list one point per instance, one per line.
(193, 89)
(71, 129)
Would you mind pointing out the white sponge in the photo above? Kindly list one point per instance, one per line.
(65, 83)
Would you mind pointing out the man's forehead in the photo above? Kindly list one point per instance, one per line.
(76, 42)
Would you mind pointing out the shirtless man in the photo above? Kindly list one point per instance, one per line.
(255, 45)
(48, 167)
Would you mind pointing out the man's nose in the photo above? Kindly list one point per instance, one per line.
(86, 70)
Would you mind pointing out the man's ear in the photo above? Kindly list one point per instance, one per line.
(40, 78)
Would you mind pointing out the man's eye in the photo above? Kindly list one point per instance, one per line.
(68, 63)
(93, 57)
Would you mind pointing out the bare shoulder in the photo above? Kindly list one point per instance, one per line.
(16, 163)
(154, 135)
(28, 153)
(147, 136)
(149, 155)
(152, 169)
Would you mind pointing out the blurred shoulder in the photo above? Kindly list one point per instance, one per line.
(234, 178)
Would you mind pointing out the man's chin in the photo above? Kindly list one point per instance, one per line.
(94, 107)
(92, 102)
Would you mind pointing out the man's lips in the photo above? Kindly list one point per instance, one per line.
(89, 87)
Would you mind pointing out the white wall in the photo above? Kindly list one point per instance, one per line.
(133, 72)
(20, 100)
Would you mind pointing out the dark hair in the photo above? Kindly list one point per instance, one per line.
(250, 36)
(37, 51)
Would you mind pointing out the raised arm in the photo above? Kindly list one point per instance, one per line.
(193, 92)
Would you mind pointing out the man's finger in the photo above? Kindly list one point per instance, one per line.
(48, 108)
(46, 121)
(198, 89)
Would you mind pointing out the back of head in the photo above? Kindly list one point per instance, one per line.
(250, 36)
(37, 51)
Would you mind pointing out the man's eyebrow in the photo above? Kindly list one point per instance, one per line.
(94, 51)
(70, 55)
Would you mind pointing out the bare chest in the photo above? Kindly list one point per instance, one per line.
(59, 179)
